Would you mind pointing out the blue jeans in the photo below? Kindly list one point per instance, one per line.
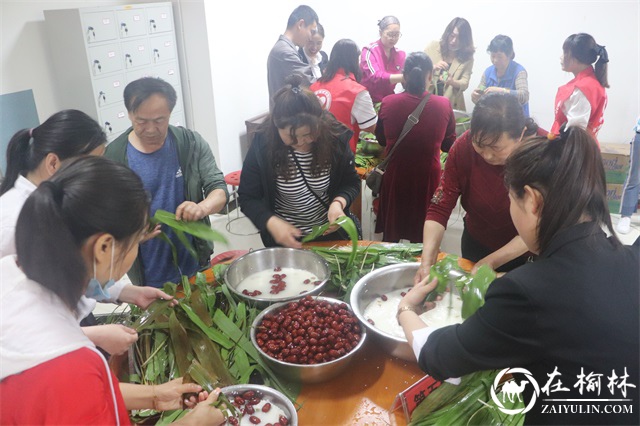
(629, 202)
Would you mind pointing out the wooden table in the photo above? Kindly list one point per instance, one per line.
(364, 393)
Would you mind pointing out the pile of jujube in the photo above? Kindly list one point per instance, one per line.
(309, 331)
(250, 404)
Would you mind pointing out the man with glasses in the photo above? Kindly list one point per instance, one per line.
(381, 62)
(178, 170)
(284, 58)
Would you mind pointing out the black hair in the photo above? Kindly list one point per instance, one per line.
(497, 113)
(320, 30)
(304, 12)
(386, 21)
(569, 173)
(465, 35)
(583, 47)
(416, 68)
(502, 43)
(296, 106)
(345, 55)
(88, 196)
(143, 88)
(68, 133)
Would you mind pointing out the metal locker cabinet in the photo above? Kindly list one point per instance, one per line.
(97, 51)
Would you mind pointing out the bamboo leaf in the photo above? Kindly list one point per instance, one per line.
(196, 373)
(174, 251)
(208, 354)
(148, 317)
(197, 229)
(199, 307)
(180, 343)
(211, 333)
(186, 242)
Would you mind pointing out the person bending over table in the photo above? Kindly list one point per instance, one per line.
(299, 171)
(473, 172)
(571, 315)
(33, 156)
(70, 236)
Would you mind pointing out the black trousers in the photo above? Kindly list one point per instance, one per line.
(474, 251)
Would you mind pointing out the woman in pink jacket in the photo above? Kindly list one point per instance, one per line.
(381, 62)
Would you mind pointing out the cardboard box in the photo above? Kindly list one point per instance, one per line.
(615, 158)
(614, 197)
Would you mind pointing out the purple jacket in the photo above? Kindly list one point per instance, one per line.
(376, 69)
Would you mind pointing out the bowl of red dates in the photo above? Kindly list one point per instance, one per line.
(259, 405)
(277, 274)
(310, 340)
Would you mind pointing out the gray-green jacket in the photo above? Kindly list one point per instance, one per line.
(201, 176)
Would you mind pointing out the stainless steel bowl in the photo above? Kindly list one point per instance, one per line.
(273, 396)
(371, 286)
(269, 258)
(314, 373)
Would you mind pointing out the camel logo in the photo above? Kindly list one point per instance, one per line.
(324, 96)
(512, 390)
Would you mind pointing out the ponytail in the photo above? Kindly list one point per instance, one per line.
(584, 49)
(68, 133)
(89, 196)
(417, 67)
(569, 174)
(18, 153)
(53, 259)
(601, 66)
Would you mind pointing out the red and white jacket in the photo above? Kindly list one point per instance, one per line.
(589, 86)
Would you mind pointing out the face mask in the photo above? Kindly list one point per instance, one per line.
(97, 291)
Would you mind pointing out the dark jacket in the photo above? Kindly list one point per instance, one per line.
(257, 191)
(574, 308)
(201, 176)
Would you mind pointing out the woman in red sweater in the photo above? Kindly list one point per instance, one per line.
(71, 239)
(581, 102)
(474, 172)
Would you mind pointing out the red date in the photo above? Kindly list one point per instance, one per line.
(306, 332)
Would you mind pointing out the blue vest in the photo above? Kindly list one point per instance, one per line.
(508, 80)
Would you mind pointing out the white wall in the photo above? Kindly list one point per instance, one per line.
(242, 33)
(25, 56)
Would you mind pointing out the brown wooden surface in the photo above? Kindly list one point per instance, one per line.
(364, 393)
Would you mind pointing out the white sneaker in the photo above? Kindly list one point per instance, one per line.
(624, 225)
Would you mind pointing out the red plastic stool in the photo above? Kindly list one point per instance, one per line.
(233, 179)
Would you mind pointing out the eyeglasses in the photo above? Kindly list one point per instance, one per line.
(393, 35)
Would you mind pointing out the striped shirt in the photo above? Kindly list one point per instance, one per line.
(295, 203)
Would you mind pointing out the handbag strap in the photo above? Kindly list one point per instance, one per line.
(412, 120)
(295, 159)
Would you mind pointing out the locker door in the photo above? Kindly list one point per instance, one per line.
(105, 59)
(99, 26)
(132, 23)
(108, 90)
(114, 120)
(163, 48)
(135, 53)
(159, 19)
